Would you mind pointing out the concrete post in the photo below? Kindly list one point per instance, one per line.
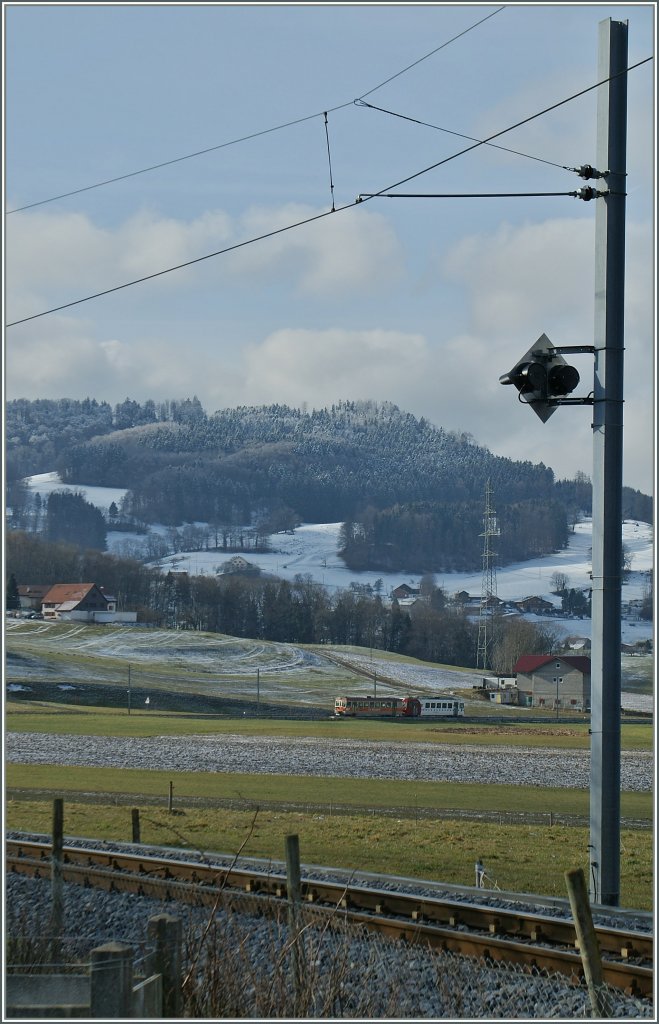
(166, 932)
(607, 466)
(111, 980)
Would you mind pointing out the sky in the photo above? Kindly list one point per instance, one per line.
(423, 302)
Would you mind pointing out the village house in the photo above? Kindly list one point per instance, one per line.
(404, 591)
(31, 595)
(538, 605)
(553, 681)
(82, 602)
(239, 566)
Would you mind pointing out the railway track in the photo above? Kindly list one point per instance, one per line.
(534, 940)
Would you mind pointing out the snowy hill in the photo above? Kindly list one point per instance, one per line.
(312, 550)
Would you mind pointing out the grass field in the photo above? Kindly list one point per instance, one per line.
(64, 719)
(520, 857)
(303, 789)
(327, 814)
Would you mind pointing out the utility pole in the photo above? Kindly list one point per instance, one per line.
(604, 880)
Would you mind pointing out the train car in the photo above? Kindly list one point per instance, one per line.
(377, 707)
(441, 706)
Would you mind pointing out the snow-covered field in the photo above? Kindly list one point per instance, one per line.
(312, 550)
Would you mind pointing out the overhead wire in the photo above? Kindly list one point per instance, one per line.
(462, 195)
(461, 135)
(326, 213)
(180, 266)
(433, 52)
(504, 131)
(252, 135)
(329, 161)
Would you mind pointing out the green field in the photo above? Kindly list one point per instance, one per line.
(421, 829)
(26, 716)
(526, 858)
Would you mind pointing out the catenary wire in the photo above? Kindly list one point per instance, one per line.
(246, 138)
(460, 195)
(329, 161)
(326, 213)
(432, 52)
(461, 135)
(518, 124)
(180, 266)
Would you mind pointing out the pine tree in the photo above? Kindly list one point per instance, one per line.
(12, 600)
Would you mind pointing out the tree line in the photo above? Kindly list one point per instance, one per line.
(436, 537)
(434, 629)
(410, 494)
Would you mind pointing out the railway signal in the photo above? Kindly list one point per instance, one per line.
(544, 379)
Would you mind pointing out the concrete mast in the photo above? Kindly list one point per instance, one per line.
(604, 880)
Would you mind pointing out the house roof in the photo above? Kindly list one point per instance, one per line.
(34, 590)
(528, 663)
(67, 592)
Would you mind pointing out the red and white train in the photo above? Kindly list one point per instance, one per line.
(427, 706)
(377, 707)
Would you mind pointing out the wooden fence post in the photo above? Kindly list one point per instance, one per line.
(293, 890)
(111, 983)
(135, 817)
(170, 805)
(588, 945)
(166, 932)
(56, 866)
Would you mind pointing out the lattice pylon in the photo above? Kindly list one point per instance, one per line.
(488, 584)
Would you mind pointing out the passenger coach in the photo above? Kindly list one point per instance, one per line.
(441, 707)
(377, 707)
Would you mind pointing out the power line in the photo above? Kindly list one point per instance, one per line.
(432, 52)
(246, 138)
(315, 217)
(504, 131)
(461, 135)
(329, 161)
(180, 266)
(460, 195)
(166, 163)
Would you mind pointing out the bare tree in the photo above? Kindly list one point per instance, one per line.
(559, 582)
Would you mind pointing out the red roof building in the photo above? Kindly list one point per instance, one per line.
(84, 599)
(555, 681)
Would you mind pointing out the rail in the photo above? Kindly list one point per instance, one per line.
(475, 929)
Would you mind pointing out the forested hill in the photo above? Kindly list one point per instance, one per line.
(389, 476)
(326, 465)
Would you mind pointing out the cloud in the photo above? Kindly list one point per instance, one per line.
(55, 258)
(536, 274)
(341, 254)
(513, 283)
(322, 366)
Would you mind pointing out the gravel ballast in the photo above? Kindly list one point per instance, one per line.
(371, 977)
(523, 766)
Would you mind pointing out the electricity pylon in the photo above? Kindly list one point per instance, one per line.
(488, 585)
